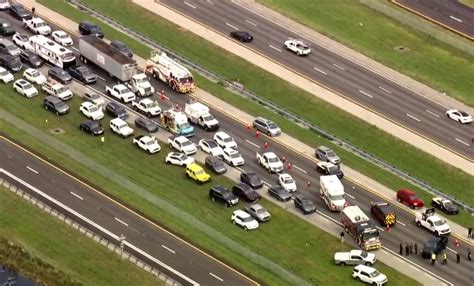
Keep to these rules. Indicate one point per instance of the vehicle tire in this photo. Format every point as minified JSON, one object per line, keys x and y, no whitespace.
{"x":437,"y":233}
{"x":171,"y":146}
{"x":375,"y":284}
{"x":398,"y":200}
{"x":412,"y":206}
{"x":154,"y":75}
{"x":245,"y":228}
{"x":227,"y":205}
{"x":85,"y":60}
{"x":206,"y":128}
{"x":418,"y":223}
{"x":357,"y":278}
{"x":213,"y":199}
{"x":233,"y":221}
{"x":342,"y":263}
{"x":368,"y":264}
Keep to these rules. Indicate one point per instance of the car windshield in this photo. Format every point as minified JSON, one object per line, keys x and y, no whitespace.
{"x":3,"y":73}
{"x":332,"y":169}
{"x":40,"y":24}
{"x":85,"y":71}
{"x":186,"y":80}
{"x":11,"y":47}
{"x":62,"y":89}
{"x":186,"y":143}
{"x":208,"y":117}
{"x":140,"y":79}
{"x":306,"y":203}
{"x":59,"y":104}
{"x":63,"y":36}
{"x":247,"y":219}
{"x":200,"y":172}
{"x":449,"y":205}
{"x":287,"y":180}
{"x":95,"y":124}
{"x":235,"y":155}
{"x":27,"y":86}
{"x":94,"y":109}
{"x":364,"y":254}
{"x":34,"y":73}
{"x":23,"y":38}
{"x":273,"y":160}
{"x":412,"y":197}
{"x":302,"y":46}
{"x":272,"y":126}
{"x":370,"y":235}
{"x":94,"y":96}
{"x":337,"y":197}
{"x":227,"y":195}
{"x":149,"y":124}
{"x":122,"y":126}
{"x":184,"y":125}
{"x":331,"y":154}
{"x":182,"y":157}
{"x":227,"y":139}
{"x":438,"y":222}
{"x":67,"y":56}
{"x":62,"y":73}
{"x":260,"y":211}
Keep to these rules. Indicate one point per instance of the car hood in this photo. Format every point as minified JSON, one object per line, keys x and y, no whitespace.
{"x":97,"y":129}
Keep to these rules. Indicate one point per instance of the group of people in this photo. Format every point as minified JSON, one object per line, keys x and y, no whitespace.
{"x":410,"y":248}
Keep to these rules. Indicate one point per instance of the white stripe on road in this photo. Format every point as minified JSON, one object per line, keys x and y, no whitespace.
{"x":386,"y":90}
{"x":190,"y":5}
{"x":365,"y":93}
{"x":379,"y":228}
{"x":350,"y":196}
{"x":323,"y":72}
{"x":210,"y":2}
{"x":169,"y":249}
{"x":120,"y":221}
{"x":77,"y":196}
{"x":300,"y":169}
{"x":339,"y":67}
{"x":266,"y":183}
{"x":217,"y":277}
{"x":275,"y":48}
{"x":232,"y":26}
{"x":413,"y":117}
{"x":456,"y":19}
{"x":32,"y":170}
{"x":251,"y":143}
{"x":418,"y":270}
{"x":452,"y":250}
{"x":251,"y":23}
{"x":76,"y":49}
{"x":401,"y":223}
{"x":101,"y":78}
{"x":462,"y":142}
{"x":432,"y":113}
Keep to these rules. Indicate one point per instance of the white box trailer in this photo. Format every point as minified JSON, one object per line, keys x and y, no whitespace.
{"x":332,"y":192}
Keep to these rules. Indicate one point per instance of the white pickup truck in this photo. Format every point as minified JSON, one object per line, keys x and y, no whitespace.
{"x":56,"y":89}
{"x":120,"y":92}
{"x":429,"y":220}
{"x":121,"y":127}
{"x":297,"y":47}
{"x":182,"y":144}
{"x":147,"y":106}
{"x":270,"y":161}
{"x":37,"y":26}
{"x":354,"y":257}
{"x":147,"y":143}
{"x":198,"y":113}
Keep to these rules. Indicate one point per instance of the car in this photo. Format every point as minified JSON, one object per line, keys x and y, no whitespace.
{"x":429,"y":220}
{"x":279,"y":193}
{"x":245,"y":192}
{"x":94,"y":98}
{"x":122,"y":48}
{"x":233,"y":157}
{"x":146,"y":124}
{"x":5,"y":75}
{"x":21,"y":40}
{"x":6,"y":29}
{"x":55,"y":105}
{"x":93,"y":127}
{"x":37,"y":26}
{"x":287,"y":182}
{"x":18,"y":12}
{"x":354,"y":257}
{"x":326,"y":154}
{"x":114,"y":109}
{"x":4,"y":4}
{"x":369,"y":275}
{"x":25,"y":88}
{"x":222,"y":195}
{"x":447,"y":206}
{"x":304,"y":204}
{"x":31,"y":58}
{"x":90,"y":110}
{"x":258,"y":212}
{"x":242,"y":36}
{"x":410,"y":199}
{"x":197,"y":173}
{"x":434,"y":245}
{"x":179,"y":159}
{"x":60,"y":75}
{"x":147,"y":143}
{"x":83,"y":74}
{"x":459,"y":116}
{"x":298,"y":47}
{"x":121,"y":127}
{"x":11,"y":63}
{"x":244,"y":220}
{"x":266,"y":126}
{"x":8,"y":47}
{"x":34,"y":76}
{"x":224,"y":140}
{"x":88,"y":28}
{"x":215,"y":164}
{"x":251,"y":179}
{"x":62,"y":38}
{"x":384,"y":213}
{"x":327,"y":168}
{"x":211,"y":147}
{"x":182,"y":144}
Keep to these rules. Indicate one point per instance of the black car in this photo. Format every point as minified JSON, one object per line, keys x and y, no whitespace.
{"x":55,"y":105}
{"x":223,"y":195}
{"x":279,"y":193}
{"x":434,"y":245}
{"x":6,"y":29}
{"x":242,"y":36}
{"x":92,"y":127}
{"x":306,"y":205}
{"x":445,"y":205}
{"x":215,"y":164}
{"x":116,"y":110}
{"x":244,"y":191}
{"x":83,"y":74}
{"x":11,"y":63}
{"x":31,"y":58}
{"x":326,"y":168}
{"x":17,"y":11}
{"x":60,"y":75}
{"x":252,"y":179}
{"x":122,"y":48}
{"x":88,"y":28}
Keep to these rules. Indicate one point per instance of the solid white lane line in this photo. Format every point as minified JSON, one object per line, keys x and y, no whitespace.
{"x":350,"y":196}
{"x":401,"y":223}
{"x":266,"y":183}
{"x":232,"y":26}
{"x":251,"y":143}
{"x":379,"y":228}
{"x":455,"y":19}
{"x":450,"y":249}
{"x":32,"y":170}
{"x":77,"y":196}
{"x":300,"y":169}
{"x":251,"y":23}
{"x":76,"y":49}
{"x":240,"y":169}
{"x":432,"y":113}
{"x":365,"y":93}
{"x":210,"y":2}
{"x":323,"y":72}
{"x":416,"y":269}
{"x":462,"y":142}
{"x":120,"y":221}
{"x":275,"y":48}
{"x":217,"y":277}
{"x":190,"y":5}
{"x":413,"y":117}
{"x":386,"y":90}
{"x":169,"y":249}
{"x":339,"y":67}
{"x":99,"y":77}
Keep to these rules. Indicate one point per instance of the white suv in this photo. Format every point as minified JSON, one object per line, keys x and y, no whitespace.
{"x":121,"y":127}
{"x":244,"y":220}
{"x":90,"y":110}
{"x":25,"y":88}
{"x":369,"y":275}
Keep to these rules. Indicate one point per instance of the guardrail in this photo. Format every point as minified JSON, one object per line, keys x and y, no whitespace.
{"x":237,"y":88}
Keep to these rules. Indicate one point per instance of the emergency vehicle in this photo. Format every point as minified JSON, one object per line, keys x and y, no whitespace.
{"x":170,"y":72}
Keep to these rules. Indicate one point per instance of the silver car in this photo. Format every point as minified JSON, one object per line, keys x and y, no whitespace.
{"x":326,"y":154}
{"x":9,"y":47}
{"x":266,"y":126}
{"x":258,"y":212}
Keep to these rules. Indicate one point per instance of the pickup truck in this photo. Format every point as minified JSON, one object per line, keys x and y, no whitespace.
{"x":37,"y":26}
{"x":182,"y":144}
{"x":270,"y":161}
{"x":354,"y":257}
{"x":147,"y":106}
{"x":121,"y":127}
{"x":147,"y":143}
{"x":56,"y":89}
{"x":120,"y":92}
{"x":432,"y":222}
{"x":297,"y":47}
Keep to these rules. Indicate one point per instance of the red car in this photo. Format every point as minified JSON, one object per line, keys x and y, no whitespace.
{"x":409,"y":198}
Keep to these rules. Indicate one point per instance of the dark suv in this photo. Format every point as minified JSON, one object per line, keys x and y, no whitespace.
{"x":11,"y":63}
{"x":223,"y":195}
{"x":6,"y":29}
{"x":88,"y":28}
{"x":31,"y":58}
{"x":55,"y":105}
{"x":434,"y":245}
{"x":244,"y":191}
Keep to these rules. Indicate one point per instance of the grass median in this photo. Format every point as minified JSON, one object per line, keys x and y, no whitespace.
{"x":48,"y":251}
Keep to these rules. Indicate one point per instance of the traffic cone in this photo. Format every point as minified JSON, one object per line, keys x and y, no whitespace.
{"x":283,"y":159}
{"x":308,"y":184}
{"x":289,"y":166}
{"x":257,"y":133}
{"x":456,"y":243}
{"x":387,"y":228}
{"x":265,"y":145}
{"x":249,"y":127}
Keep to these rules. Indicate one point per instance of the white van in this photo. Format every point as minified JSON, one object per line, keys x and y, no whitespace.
{"x":332,"y":192}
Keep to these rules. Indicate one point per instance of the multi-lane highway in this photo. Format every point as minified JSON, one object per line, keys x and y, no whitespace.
{"x":372,"y":90}
{"x":304,"y":170}
{"x":450,"y":14}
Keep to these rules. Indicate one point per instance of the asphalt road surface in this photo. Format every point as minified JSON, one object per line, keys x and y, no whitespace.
{"x":303,"y":170}
{"x":450,"y":14}
{"x":361,"y":85}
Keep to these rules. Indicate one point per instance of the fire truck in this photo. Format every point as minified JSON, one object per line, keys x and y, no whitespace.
{"x":170,"y":72}
{"x":176,"y":121}
{"x":359,"y":226}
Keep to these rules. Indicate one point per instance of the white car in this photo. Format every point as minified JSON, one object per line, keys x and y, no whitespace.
{"x":244,"y":220}
{"x":25,"y":88}
{"x":37,"y":25}
{"x":4,"y":4}
{"x":62,"y":38}
{"x":182,"y":144}
{"x":179,"y":159}
{"x":224,"y":140}
{"x":91,"y":110}
{"x":22,"y":41}
{"x":233,"y":157}
{"x":354,"y":257}
{"x":211,"y":147}
{"x":369,"y":275}
{"x":34,"y":76}
{"x":94,"y":98}
{"x":147,"y":143}
{"x":121,"y":127}
{"x":5,"y":75}
{"x":459,"y":116}
{"x":287,"y":182}
{"x":297,"y":47}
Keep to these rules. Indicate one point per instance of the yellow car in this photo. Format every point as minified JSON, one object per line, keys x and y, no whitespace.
{"x":197,"y":173}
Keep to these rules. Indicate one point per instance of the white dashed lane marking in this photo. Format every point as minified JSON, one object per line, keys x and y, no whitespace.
{"x":432,"y":113}
{"x":32,"y":170}
{"x":462,"y":142}
{"x":321,"y":71}
{"x":190,"y":5}
{"x":365,"y":93}
{"x":339,"y":67}
{"x":413,"y":117}
{"x":120,"y":221}
{"x":275,"y":48}
{"x":232,"y":26}
{"x":251,"y":23}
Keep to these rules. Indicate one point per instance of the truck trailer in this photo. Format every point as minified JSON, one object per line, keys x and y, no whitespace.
{"x":361,"y":228}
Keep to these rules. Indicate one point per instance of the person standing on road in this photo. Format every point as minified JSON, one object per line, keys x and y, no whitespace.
{"x":401,"y":248}
{"x":407,"y":249}
{"x":445,"y":259}
{"x":416,"y":248}
{"x":458,"y":257}
{"x":468,"y":254}
{"x":33,"y":10}
{"x":411,"y":247}
{"x":342,"y":236}
{"x":433,"y":258}
{"x":469,"y":232}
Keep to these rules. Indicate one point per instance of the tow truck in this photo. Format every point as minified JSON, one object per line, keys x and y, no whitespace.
{"x":429,"y":220}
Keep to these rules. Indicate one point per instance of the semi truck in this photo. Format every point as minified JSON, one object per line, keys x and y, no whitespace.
{"x":175,"y":121}
{"x":361,"y":228}
{"x":198,"y":114}
{"x":332,"y":192}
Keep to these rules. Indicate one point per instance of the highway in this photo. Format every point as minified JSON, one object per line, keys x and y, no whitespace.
{"x":365,"y":87}
{"x":303,"y":170}
{"x":450,"y":14}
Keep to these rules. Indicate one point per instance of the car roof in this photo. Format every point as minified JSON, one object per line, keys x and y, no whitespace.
{"x":241,"y":213}
{"x":243,"y":186}
{"x":365,"y":268}
{"x":222,"y":134}
{"x":22,"y":81}
{"x":118,"y":120}
{"x":220,"y":188}
{"x":53,"y":99}
{"x":406,"y":191}
{"x":87,"y":103}
{"x":324,"y":148}
{"x":194,"y":167}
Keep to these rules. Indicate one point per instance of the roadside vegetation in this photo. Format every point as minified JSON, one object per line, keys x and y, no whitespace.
{"x":469,"y":3}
